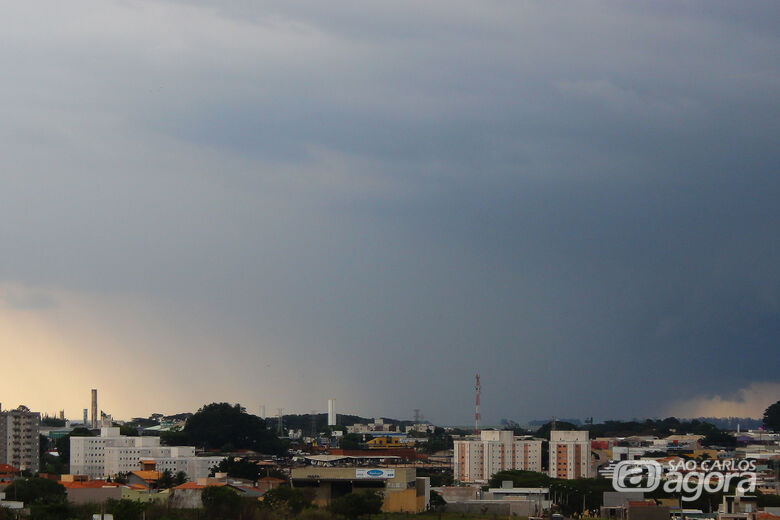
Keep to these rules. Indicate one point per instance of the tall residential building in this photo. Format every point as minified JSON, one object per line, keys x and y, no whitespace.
{"x":478,"y":459}
{"x":569,"y":454}
{"x":19,"y":438}
{"x":112,"y":453}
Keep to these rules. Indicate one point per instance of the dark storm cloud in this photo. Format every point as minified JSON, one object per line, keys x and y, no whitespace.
{"x":571,"y":201}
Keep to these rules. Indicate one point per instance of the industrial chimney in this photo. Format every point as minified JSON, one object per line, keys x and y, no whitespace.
{"x":331,"y":412}
{"x":94,"y":408}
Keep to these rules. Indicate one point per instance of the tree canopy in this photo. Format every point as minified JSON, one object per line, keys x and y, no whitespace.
{"x":772,"y":417}
{"x":351,"y":441}
{"x":357,"y":504}
{"x":287,"y":499}
{"x":221,"y":502}
{"x":36,"y":491}
{"x":239,"y":468}
{"x":228,"y":427}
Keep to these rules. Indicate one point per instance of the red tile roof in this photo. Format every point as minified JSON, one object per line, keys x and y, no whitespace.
{"x":195,"y":485}
{"x":88,"y":484}
{"x":148,"y":476}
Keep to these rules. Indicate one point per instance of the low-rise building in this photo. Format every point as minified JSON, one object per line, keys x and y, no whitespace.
{"x":378,"y":425}
{"x":112,"y":453}
{"x":402,"y":490}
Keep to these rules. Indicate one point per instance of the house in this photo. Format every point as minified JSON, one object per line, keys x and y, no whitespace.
{"x":268,"y":483}
{"x":8,"y":473}
{"x":145,"y":478}
{"x":188,"y":495}
{"x":84,"y":491}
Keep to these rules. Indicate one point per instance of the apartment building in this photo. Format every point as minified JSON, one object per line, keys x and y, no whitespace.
{"x":477,"y":459}
{"x":569,"y":454}
{"x":112,"y":453}
{"x":19,"y":439}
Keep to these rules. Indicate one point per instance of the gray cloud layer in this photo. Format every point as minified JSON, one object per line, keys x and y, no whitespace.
{"x":579,"y":202}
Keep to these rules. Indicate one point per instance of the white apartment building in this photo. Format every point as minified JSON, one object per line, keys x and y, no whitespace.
{"x":421,"y":428}
{"x":112,"y":453}
{"x":569,"y":454}
{"x":19,"y":439}
{"x":377,"y":426}
{"x":477,"y":459}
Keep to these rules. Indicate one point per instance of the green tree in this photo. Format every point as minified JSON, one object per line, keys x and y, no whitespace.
{"x":56,"y":511}
{"x":520,"y":479}
{"x":221,"y":502}
{"x":166,"y":480}
{"x":240,"y":468}
{"x":357,"y":504}
{"x":719,"y":438}
{"x":439,"y":440}
{"x":544,"y":431}
{"x":351,"y":441}
{"x":125,"y":509}
{"x":50,"y":463}
{"x":180,"y":478}
{"x":437,"y":501}
{"x":52,"y":422}
{"x":128,"y":430}
{"x":36,"y":491}
{"x":286,"y":499}
{"x":772,"y":417}
{"x":221,"y":424}
{"x":172,"y":438}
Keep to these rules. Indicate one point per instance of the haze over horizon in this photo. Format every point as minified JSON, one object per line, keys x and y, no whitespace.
{"x":280,"y":203}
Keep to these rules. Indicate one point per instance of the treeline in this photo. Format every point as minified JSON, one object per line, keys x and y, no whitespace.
{"x":47,"y":500}
{"x":713,"y":436}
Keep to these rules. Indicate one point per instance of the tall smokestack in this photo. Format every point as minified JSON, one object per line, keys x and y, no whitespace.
{"x":94,"y":408}
{"x":86,"y":417}
{"x":331,"y":412}
{"x":262,"y":411}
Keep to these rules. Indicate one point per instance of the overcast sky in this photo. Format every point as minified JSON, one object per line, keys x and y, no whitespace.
{"x":280,"y":202}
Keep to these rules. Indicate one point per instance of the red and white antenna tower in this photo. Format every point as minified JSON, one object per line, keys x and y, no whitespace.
{"x":476,"y":412}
